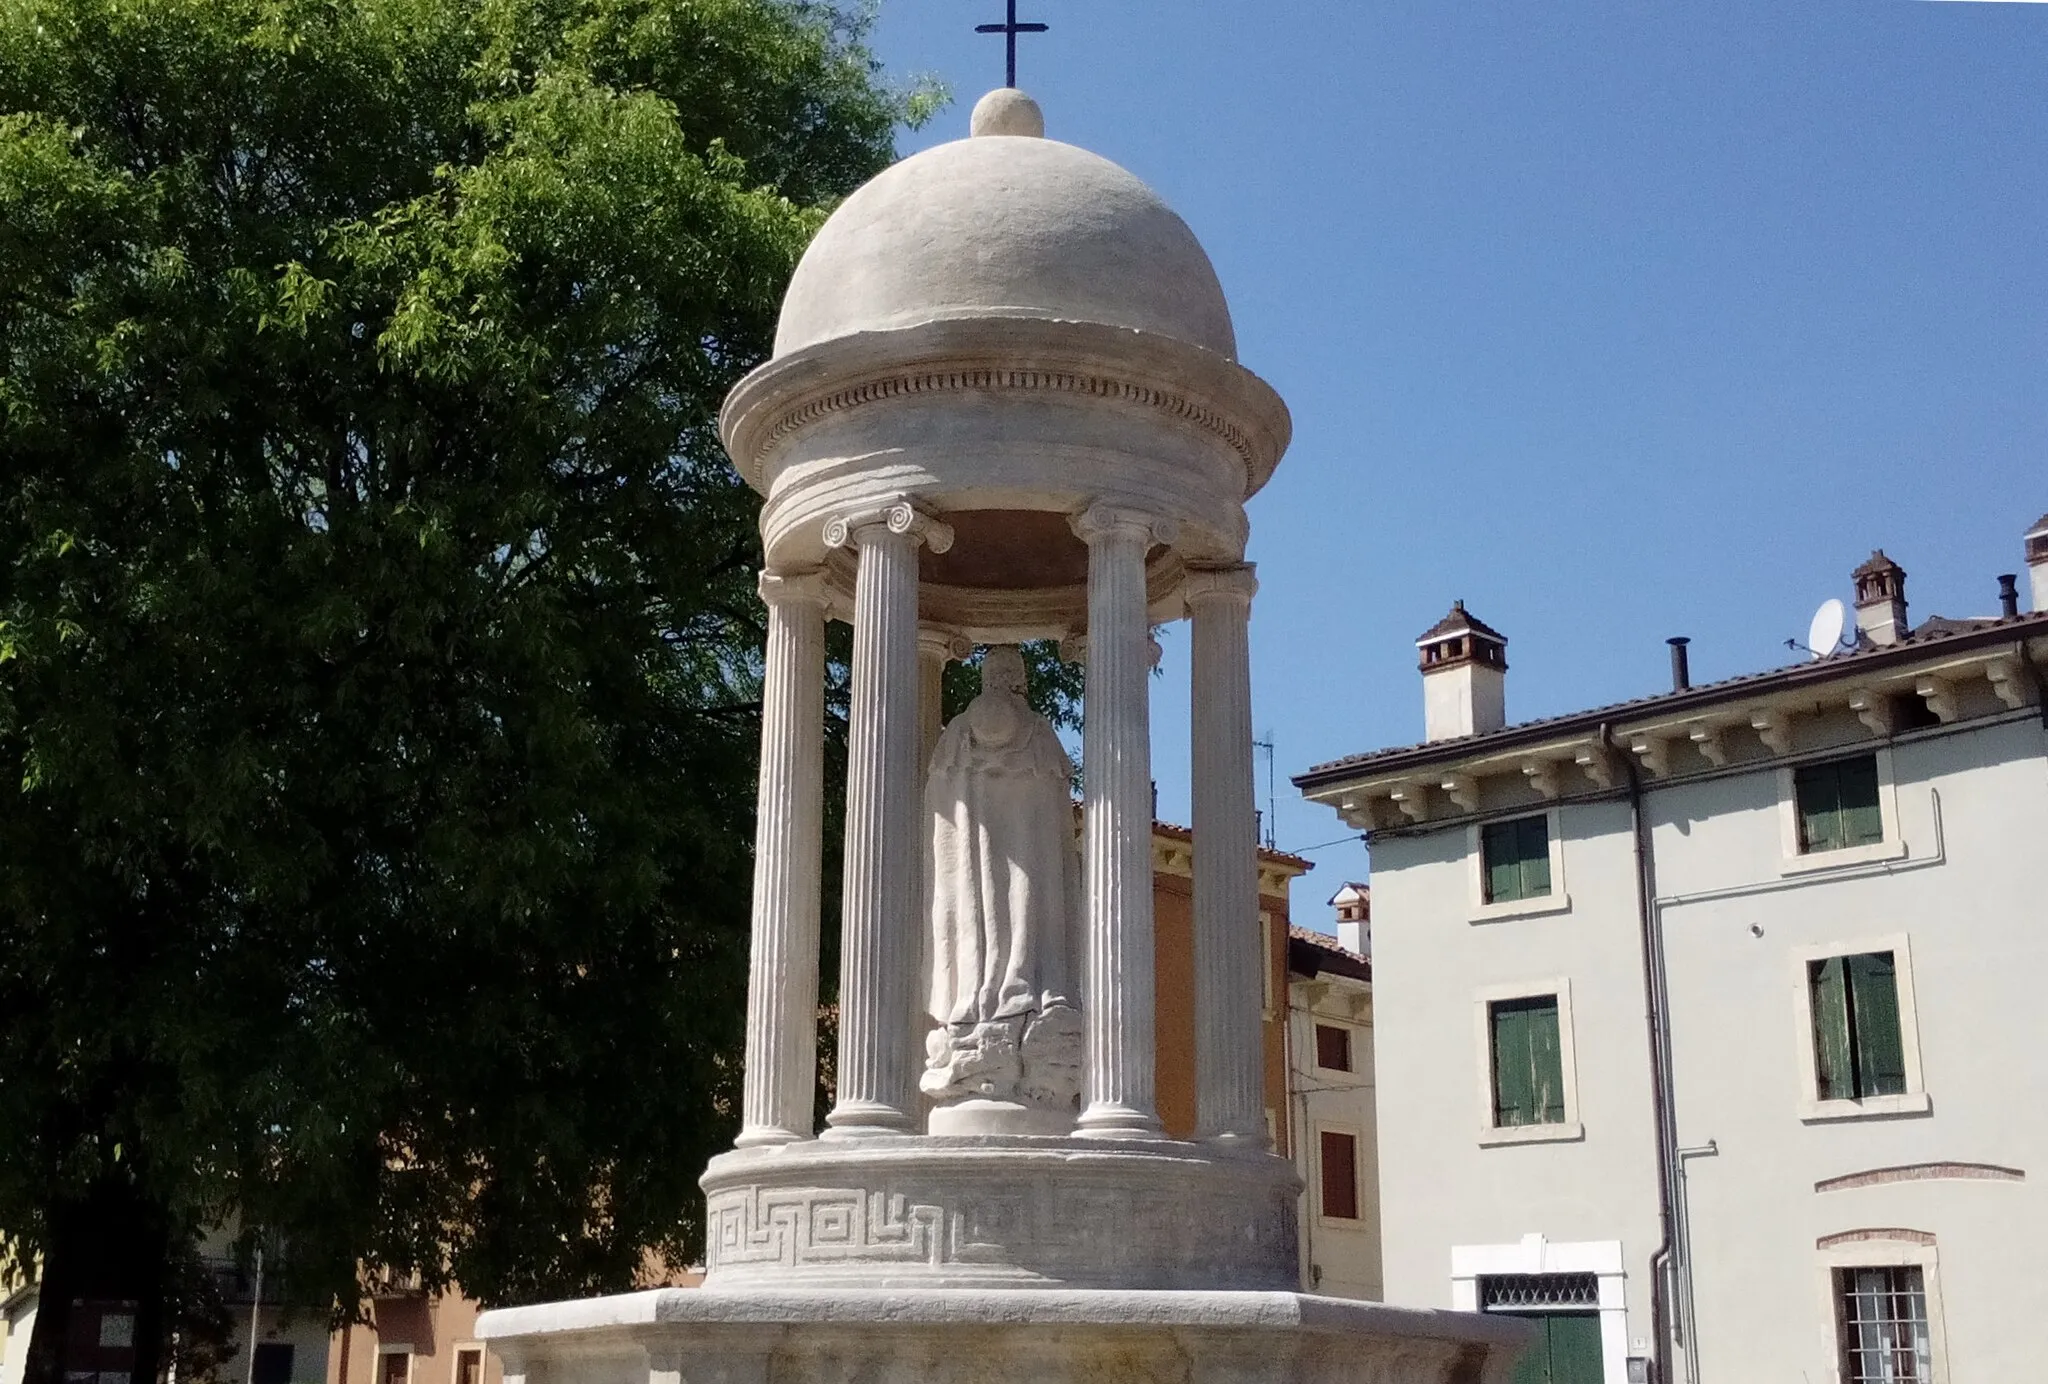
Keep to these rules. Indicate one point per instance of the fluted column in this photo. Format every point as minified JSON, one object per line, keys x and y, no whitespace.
{"x":879,"y":928}
{"x":1117,"y":974}
{"x":782,"y":974}
{"x":1230,"y":1096}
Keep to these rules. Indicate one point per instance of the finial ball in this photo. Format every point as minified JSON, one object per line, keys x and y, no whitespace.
{"x":1007,"y":111}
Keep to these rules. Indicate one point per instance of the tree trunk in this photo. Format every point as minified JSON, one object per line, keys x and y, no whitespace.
{"x":100,"y":1308}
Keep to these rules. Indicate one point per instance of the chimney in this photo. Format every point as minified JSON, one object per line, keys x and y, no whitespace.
{"x":1880,"y":600}
{"x":1681,"y":666}
{"x":2037,"y":562}
{"x":1354,"y":918}
{"x":1464,"y":677}
{"x":2008,"y":595}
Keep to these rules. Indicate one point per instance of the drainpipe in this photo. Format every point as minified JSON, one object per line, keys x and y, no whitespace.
{"x":1666,"y":1266}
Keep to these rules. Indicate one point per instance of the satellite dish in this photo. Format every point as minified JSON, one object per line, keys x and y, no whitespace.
{"x":1824,"y":635}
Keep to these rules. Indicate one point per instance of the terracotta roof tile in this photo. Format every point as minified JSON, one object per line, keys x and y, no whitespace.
{"x":1460,"y":621}
{"x":1917,"y":643}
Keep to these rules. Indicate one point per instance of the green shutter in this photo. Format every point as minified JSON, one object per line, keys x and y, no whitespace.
{"x":1820,"y":807}
{"x":1513,"y":1100}
{"x":1834,"y":1074}
{"x":1516,"y":859}
{"x":1873,"y":986}
{"x":1503,"y":869}
{"x":1528,"y":1068}
{"x":1838,"y":804}
{"x":1862,"y":822}
{"x":1532,"y":842}
{"x":1546,"y":1065}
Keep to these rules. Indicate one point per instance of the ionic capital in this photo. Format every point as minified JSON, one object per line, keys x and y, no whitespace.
{"x":1207,"y":584}
{"x":803,"y":588}
{"x":897,"y":516}
{"x":944,"y":643}
{"x":1103,"y":521}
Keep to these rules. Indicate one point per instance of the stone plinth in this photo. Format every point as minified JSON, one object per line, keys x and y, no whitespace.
{"x":994,"y":1211}
{"x":952,"y":1336}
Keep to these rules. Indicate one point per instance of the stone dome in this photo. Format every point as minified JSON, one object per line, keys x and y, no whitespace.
{"x":1005,"y":225}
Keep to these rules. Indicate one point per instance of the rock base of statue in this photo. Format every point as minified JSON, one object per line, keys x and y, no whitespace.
{"x":718,"y":1336}
{"x":996,"y":1211}
{"x":1015,"y":1075}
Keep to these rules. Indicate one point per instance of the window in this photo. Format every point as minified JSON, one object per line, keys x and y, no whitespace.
{"x":1333,"y":1048}
{"x":1528,"y":1067}
{"x":1857,"y":1047}
{"x":1515,"y":859}
{"x":1838,"y":804}
{"x":469,"y":1365}
{"x":272,"y":1363}
{"x":1881,"y":1314}
{"x":394,"y":1367}
{"x":1340,"y":1175}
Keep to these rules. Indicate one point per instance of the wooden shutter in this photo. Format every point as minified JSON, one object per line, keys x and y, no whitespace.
{"x":1873,"y":985}
{"x":1817,"y":790}
{"x":1528,"y":1066}
{"x":1340,"y":1175}
{"x":1546,"y":1066}
{"x":1502,"y":866}
{"x":1513,"y":1100}
{"x":1333,"y":1048}
{"x":1856,"y":787}
{"x":1532,"y":843}
{"x":1834,"y":1070}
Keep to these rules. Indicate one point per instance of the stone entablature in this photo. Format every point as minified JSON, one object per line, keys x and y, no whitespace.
{"x":1830,"y":704}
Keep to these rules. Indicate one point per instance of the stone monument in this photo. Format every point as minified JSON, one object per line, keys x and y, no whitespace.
{"x":1004,"y":405}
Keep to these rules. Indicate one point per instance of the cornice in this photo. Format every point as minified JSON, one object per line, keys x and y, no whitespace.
{"x":1006,"y":355}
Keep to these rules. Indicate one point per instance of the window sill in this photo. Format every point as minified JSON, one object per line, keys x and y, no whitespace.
{"x":1568,"y":1133}
{"x":1877,"y":1107}
{"x":1842,"y":858}
{"x":1520,"y":908}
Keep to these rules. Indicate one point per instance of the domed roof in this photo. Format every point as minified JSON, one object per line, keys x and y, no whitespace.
{"x":1005,"y":225}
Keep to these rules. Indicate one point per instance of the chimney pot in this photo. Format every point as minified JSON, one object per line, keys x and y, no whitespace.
{"x":1881,"y":600}
{"x":2037,"y":564}
{"x":1681,"y":667}
{"x":1464,"y":676}
{"x":2008,"y":594}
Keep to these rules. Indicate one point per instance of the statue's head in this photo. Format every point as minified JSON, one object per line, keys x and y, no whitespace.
{"x":1003,"y":667}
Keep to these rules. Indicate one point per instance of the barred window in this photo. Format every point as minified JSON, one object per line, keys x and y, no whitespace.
{"x":1538,"y":1292}
{"x":1882,"y":1316}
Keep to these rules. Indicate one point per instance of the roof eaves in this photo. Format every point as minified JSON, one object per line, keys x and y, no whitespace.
{"x":1821,"y":670}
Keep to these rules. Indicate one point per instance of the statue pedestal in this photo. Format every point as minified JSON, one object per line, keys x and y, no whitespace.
{"x":1059,"y":1336}
{"x":999,"y":1211}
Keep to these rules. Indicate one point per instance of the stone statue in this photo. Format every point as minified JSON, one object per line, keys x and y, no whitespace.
{"x":1004,"y":898}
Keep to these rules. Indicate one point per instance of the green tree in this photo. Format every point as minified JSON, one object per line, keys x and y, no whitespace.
{"x":378,"y":650}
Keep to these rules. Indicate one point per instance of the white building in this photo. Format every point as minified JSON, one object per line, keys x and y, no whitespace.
{"x":1712,"y":1029}
{"x":1333,"y":1125}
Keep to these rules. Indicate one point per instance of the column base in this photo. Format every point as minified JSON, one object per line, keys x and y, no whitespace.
{"x":1112,"y":1120}
{"x":765,"y":1135}
{"x":866,"y":1119}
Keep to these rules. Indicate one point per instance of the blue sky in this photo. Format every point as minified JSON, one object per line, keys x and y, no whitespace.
{"x":1616,"y":320}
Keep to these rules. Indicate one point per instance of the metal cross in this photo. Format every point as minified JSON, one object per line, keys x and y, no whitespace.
{"x":1009,"y":29}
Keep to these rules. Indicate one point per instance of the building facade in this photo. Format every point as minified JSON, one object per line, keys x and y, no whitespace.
{"x":1713,"y":1023}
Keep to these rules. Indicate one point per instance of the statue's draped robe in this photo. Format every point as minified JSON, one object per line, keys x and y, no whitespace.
{"x":1004,"y":870}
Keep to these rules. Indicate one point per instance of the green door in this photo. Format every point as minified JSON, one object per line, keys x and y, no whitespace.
{"x":1566,"y":1349}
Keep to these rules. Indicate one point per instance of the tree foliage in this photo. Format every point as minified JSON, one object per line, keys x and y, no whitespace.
{"x":378,"y":649}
